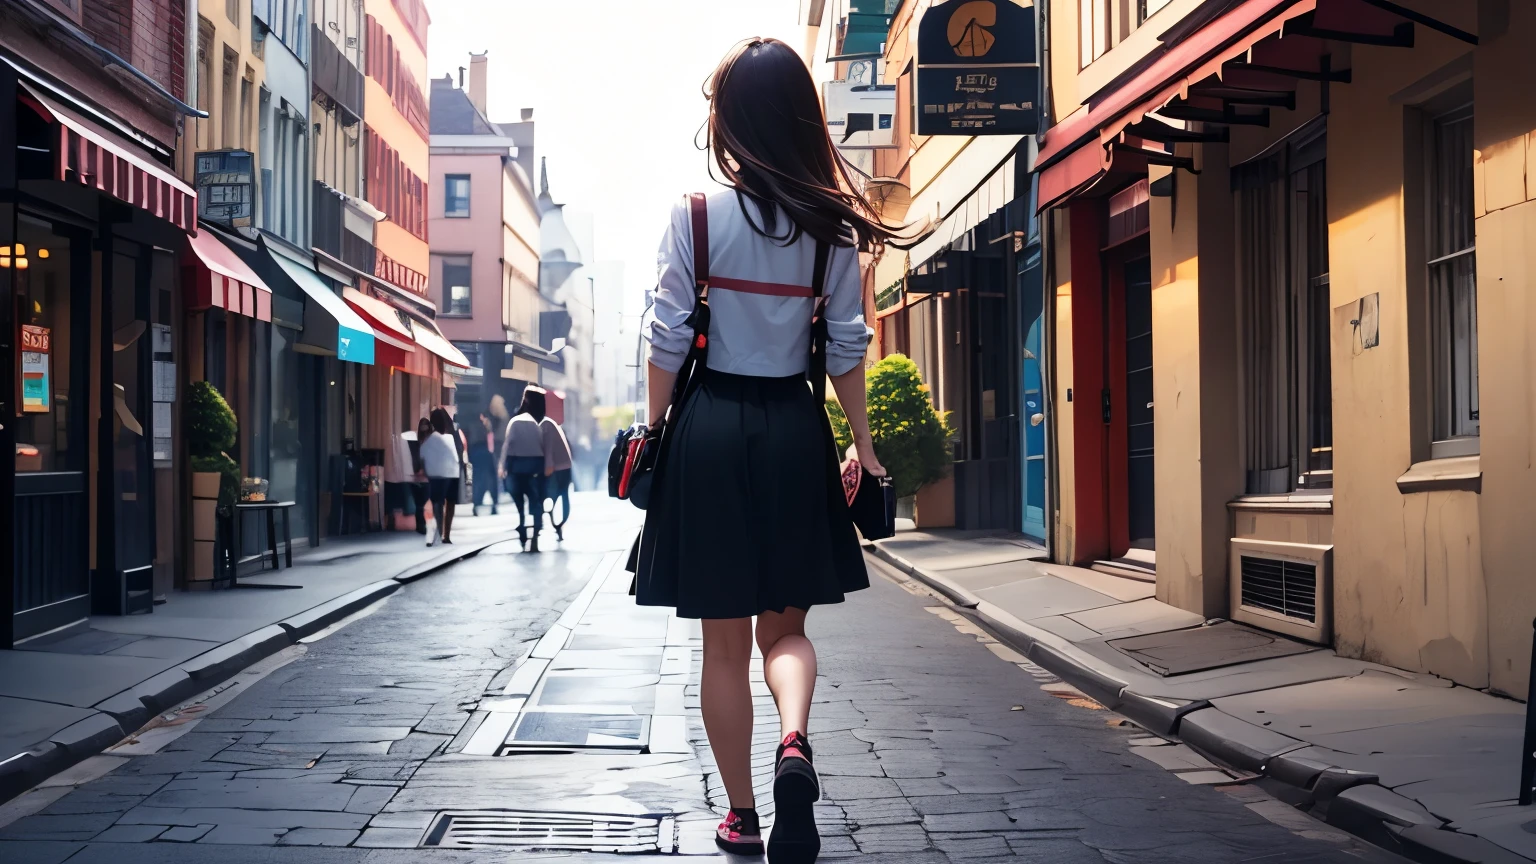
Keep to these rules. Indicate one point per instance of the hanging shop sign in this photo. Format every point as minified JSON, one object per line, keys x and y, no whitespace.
{"x":36,"y":347}
{"x":977,"y":72}
{"x":861,"y":112}
{"x":224,"y":181}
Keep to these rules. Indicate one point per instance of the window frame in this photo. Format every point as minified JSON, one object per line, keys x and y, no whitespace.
{"x":1452,"y":357}
{"x":448,"y":183}
{"x":467,"y":262}
{"x":1298,"y":352}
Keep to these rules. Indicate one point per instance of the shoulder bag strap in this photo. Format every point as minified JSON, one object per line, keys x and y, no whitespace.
{"x":817,"y":371}
{"x":698,"y":320}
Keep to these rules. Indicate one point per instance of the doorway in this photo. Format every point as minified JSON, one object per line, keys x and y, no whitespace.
{"x":1141,"y":514}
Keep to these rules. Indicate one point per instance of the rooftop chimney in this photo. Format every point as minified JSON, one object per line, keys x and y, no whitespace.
{"x":477,"y":80}
{"x":527,"y":114}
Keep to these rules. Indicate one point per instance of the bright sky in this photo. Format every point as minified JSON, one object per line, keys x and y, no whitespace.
{"x":615,"y":88}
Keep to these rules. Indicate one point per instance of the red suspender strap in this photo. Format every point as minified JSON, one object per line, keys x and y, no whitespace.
{"x":699,"y":211}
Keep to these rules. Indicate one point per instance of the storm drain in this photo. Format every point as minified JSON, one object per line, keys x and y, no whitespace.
{"x":542,"y":830}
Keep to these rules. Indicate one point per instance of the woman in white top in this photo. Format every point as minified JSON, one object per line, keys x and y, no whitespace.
{"x":747,"y":516}
{"x":440,"y":458}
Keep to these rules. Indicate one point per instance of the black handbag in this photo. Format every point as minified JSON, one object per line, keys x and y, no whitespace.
{"x":871,"y":501}
{"x":633,"y":462}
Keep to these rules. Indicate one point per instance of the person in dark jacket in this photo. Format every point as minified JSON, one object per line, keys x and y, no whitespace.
{"x":418,"y":481}
{"x":482,"y":461}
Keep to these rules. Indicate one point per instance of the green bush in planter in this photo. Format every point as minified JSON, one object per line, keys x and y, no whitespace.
{"x":911,"y":439}
{"x":211,"y":427}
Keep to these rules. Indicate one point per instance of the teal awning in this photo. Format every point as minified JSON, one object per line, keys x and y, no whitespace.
{"x":329,"y":323}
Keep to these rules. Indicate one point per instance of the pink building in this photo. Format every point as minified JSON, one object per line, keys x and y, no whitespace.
{"x":485,"y":240}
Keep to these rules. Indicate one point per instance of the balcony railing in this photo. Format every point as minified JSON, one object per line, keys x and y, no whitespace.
{"x":331,"y":234}
{"x":335,"y":76}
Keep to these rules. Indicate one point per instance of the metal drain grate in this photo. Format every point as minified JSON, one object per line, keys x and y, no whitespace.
{"x":537,"y":829}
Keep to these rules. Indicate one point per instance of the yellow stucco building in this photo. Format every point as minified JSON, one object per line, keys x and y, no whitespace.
{"x":1317,"y":213}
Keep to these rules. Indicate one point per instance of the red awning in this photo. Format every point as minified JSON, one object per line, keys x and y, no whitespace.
{"x":432,"y":339}
{"x":1250,"y":53}
{"x":223,"y":280}
{"x":94,"y":156}
{"x":395,"y":340}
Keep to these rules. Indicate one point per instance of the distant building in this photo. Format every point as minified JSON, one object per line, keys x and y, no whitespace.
{"x":485,"y":242}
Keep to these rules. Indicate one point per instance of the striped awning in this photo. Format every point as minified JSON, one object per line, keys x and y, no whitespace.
{"x":91,"y":155}
{"x":225,"y":281}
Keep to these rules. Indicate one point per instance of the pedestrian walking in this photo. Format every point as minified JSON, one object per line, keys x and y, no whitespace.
{"x":499,"y":420}
{"x":440,"y":459}
{"x":528,"y":461}
{"x":559,"y":486}
{"x":418,"y":481}
{"x":747,"y":516}
{"x":485,"y":479}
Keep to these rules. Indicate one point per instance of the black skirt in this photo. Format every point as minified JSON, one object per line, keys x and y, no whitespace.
{"x":748,"y":513}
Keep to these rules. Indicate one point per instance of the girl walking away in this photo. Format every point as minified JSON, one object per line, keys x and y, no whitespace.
{"x":528,"y":460}
{"x":441,"y":459}
{"x":558,"y":487}
{"x":482,"y":461}
{"x":747,"y":515}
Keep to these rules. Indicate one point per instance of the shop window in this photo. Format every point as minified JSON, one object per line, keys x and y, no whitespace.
{"x":456,"y":284}
{"x":1283,"y":303}
{"x":40,"y":262}
{"x":1452,"y":283}
{"x":456,"y":196}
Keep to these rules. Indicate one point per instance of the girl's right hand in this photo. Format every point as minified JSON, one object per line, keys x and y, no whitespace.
{"x":867,"y":458}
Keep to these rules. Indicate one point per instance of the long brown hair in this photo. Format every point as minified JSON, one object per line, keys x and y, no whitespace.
{"x":769,"y":140}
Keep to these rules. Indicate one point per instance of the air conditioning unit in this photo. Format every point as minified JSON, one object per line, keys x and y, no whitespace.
{"x":1285,"y":588}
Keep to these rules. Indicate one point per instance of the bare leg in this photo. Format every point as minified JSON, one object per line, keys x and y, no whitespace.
{"x":789,"y":664}
{"x":727,"y":697}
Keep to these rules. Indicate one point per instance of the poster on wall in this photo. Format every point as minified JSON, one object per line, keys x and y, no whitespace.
{"x":861,"y":112}
{"x":36,"y":345}
{"x":977,"y":73}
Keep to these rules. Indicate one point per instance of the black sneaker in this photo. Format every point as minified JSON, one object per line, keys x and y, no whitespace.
{"x":795,"y":789}
{"x":739,"y":834}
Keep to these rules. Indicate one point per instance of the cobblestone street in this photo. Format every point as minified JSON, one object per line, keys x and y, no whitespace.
{"x":935,"y":742}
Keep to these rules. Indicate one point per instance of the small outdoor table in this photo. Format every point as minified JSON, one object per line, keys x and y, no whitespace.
{"x":271,"y":509}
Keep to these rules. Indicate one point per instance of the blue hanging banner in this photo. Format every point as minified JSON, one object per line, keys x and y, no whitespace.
{"x":977,"y":70}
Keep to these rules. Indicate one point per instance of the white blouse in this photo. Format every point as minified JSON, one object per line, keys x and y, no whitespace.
{"x":759,"y":296}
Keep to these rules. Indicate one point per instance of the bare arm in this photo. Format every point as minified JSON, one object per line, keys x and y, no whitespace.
{"x":659,"y":392}
{"x":850,"y":389}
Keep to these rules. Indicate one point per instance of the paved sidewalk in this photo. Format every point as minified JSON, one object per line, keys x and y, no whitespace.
{"x":66,"y":697}
{"x":1409,"y":761}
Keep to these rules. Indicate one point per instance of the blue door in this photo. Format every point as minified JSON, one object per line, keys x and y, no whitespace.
{"x":1034,"y":422}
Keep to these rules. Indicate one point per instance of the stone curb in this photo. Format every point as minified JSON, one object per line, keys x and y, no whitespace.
{"x":1351,"y":800}
{"x":957,"y":595}
{"x":118,"y":716}
{"x":312,"y":621}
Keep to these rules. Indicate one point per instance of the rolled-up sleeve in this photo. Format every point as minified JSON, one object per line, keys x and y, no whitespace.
{"x":669,"y":333}
{"x":847,"y":334}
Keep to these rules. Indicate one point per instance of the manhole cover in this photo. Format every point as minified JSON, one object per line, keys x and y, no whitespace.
{"x":536,"y":829}
{"x":563,"y":730}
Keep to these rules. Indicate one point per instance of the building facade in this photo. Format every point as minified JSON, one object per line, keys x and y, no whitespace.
{"x":92,"y":221}
{"x":964,"y":303}
{"x":1295,"y":233}
{"x":485,"y":249}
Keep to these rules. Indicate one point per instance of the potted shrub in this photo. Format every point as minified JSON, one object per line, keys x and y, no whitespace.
{"x":210,"y":429}
{"x":911,"y":439}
